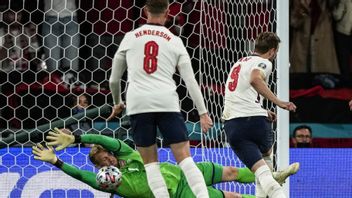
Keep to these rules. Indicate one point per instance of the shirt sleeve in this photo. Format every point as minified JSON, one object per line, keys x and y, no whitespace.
{"x":119,"y":65}
{"x":265,"y":68}
{"x":116,"y":146}
{"x":82,"y":175}
{"x":187,"y":74}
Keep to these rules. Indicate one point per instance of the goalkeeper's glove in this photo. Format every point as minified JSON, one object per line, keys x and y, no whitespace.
{"x":59,"y":139}
{"x":44,"y":154}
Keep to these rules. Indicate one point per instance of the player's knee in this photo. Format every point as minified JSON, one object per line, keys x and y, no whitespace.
{"x":180,"y":156}
{"x":180,"y":151}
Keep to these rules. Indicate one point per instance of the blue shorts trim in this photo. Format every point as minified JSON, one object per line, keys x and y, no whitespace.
{"x":170,"y":124}
{"x":249,"y":137}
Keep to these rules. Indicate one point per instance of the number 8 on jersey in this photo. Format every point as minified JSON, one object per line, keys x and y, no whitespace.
{"x":151,"y":50}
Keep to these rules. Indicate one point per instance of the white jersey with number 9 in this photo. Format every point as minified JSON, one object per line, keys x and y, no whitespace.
{"x":241,"y":99}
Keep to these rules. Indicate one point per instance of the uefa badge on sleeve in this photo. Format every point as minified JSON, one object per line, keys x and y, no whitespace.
{"x":262,"y":65}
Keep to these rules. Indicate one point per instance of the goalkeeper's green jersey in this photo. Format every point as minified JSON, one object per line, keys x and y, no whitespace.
{"x":134,"y":179}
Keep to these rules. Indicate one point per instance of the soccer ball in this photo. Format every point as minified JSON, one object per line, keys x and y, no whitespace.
{"x":109,"y":177}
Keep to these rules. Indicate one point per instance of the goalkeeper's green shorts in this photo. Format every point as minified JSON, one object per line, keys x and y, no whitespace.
{"x":212,"y":175}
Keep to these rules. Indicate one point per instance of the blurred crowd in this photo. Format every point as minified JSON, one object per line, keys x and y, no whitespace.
{"x":321,"y":37}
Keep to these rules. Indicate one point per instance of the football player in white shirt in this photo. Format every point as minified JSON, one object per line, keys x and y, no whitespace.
{"x":151,"y":54}
{"x":247,"y":124}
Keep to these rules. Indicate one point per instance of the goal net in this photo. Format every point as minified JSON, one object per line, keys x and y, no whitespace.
{"x":55,"y":60}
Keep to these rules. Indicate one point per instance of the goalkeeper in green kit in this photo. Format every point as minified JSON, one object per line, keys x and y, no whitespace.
{"x":109,"y":151}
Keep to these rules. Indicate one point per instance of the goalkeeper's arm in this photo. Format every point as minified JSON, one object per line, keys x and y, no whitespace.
{"x":62,"y":140}
{"x":48,"y":155}
{"x":116,"y":146}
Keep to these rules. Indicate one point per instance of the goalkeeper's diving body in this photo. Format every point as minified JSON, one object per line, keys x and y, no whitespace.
{"x":109,"y":151}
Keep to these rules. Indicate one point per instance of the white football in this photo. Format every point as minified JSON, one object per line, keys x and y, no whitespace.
{"x":109,"y":177}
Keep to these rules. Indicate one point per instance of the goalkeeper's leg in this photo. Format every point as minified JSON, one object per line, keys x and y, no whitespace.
{"x":242,"y":175}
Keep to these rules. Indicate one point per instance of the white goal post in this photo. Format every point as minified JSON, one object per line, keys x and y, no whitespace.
{"x":283,"y":88}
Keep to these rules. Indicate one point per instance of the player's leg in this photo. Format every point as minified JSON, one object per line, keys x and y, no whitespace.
{"x":248,"y":137}
{"x":269,"y":185}
{"x":279,"y":176}
{"x":252,"y":156}
{"x":268,"y":159}
{"x":193,"y":175}
{"x":259,"y":192}
{"x":260,"y":168}
{"x":174,"y":131}
{"x":143,"y":128}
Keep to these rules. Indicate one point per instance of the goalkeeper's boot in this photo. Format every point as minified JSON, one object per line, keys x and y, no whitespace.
{"x":281,"y":176}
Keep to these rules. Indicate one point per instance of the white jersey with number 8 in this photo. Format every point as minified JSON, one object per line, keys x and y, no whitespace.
{"x":152,"y":54}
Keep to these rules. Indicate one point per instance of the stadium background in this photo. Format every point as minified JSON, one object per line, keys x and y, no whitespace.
{"x":34,"y":98}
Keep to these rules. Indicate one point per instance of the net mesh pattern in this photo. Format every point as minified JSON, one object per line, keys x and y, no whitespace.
{"x":56,"y":56}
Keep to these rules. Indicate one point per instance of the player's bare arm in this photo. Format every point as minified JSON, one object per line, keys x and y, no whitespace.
{"x":259,"y":84}
{"x":119,"y":66}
